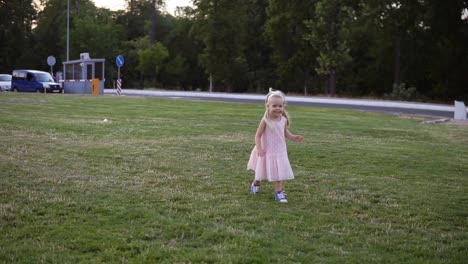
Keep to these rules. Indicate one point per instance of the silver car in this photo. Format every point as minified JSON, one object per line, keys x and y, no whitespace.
{"x":5,"y":82}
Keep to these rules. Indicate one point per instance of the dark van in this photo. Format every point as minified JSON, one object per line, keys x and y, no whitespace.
{"x":34,"y":81}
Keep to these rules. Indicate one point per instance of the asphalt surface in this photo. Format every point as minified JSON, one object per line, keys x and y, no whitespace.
{"x":392,"y":107}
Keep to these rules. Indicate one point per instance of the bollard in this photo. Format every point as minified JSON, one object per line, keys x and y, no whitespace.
{"x":119,"y":87}
{"x":95,"y":86}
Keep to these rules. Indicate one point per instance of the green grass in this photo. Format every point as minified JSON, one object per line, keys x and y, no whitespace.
{"x":165,"y":181}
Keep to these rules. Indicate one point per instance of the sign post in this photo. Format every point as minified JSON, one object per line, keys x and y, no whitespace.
{"x":119,"y":61}
{"x":51,"y":62}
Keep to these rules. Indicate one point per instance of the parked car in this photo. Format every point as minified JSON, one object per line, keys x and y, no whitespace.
{"x":34,"y":81}
{"x":5,"y":82}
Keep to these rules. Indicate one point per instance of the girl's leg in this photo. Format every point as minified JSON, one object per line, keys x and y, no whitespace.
{"x":279,"y":194}
{"x":278,"y":186}
{"x":255,"y":187}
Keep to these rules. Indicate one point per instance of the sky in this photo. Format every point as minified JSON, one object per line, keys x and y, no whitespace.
{"x":120,"y":4}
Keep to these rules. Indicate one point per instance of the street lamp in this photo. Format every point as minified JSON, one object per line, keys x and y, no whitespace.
{"x":68,"y":29}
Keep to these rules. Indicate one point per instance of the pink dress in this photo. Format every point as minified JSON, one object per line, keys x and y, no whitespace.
{"x":274,"y":165}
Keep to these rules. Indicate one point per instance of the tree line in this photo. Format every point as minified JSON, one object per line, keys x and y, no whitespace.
{"x":397,"y":49}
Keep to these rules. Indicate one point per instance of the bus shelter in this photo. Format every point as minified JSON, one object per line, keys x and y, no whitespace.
{"x":79,"y":75}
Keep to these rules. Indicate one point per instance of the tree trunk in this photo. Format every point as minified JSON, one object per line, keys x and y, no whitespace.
{"x":332,"y":82}
{"x":326,"y":86}
{"x":396,"y":69}
{"x":153,"y":22}
{"x":155,"y":78}
{"x":142,"y":81}
{"x":211,"y":83}
{"x":306,"y":81}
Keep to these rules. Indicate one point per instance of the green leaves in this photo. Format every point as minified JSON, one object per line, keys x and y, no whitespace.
{"x":293,"y":55}
{"x":361,"y":46}
{"x":151,"y":59}
{"x":222,"y":25}
{"x":328,"y":34}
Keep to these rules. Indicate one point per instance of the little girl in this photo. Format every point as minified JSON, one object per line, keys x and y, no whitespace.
{"x":269,"y":158}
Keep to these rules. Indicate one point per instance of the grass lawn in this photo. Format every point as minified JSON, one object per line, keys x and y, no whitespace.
{"x":165,"y":181}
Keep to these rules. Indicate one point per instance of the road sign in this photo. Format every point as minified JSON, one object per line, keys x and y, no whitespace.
{"x":51,"y":61}
{"x":119,"y":61}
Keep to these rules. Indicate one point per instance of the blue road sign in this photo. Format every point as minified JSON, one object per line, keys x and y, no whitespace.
{"x":119,"y":60}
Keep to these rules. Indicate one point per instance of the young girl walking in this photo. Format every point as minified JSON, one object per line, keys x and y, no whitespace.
{"x":269,"y":158}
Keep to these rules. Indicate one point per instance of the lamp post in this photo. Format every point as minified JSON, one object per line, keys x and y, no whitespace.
{"x":68,"y":30}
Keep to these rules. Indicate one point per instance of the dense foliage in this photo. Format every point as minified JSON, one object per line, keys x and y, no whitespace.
{"x":349,"y":48}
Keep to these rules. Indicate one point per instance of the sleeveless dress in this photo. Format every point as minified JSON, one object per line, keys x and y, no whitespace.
{"x":274,"y":165}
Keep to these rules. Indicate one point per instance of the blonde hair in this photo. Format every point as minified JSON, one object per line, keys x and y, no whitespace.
{"x":275,"y":93}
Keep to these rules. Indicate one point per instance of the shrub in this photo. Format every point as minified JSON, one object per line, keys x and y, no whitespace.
{"x":400,"y":92}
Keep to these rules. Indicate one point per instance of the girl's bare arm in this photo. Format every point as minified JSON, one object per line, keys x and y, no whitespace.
{"x":292,"y":137}
{"x":258,"y":138}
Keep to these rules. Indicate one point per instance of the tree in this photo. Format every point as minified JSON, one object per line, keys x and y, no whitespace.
{"x":153,"y":9}
{"x":446,"y":27}
{"x":138,"y":12}
{"x":293,"y":56}
{"x":176,"y":69}
{"x":329,"y":32}
{"x":221,"y":26}
{"x":420,"y":43}
{"x":369,"y":45}
{"x":16,"y":22}
{"x":150,"y":60}
{"x":398,"y":18}
{"x":94,"y":31}
{"x":50,"y":31}
{"x":142,"y":18}
{"x":182,"y":69}
{"x":258,"y":51}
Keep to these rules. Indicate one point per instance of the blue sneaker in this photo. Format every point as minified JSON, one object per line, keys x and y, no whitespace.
{"x":254,"y":189}
{"x":280,"y":197}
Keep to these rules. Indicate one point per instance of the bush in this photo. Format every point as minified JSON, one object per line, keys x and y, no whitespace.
{"x":400,"y":92}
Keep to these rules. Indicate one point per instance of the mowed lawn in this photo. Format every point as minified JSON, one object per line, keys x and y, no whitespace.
{"x":165,"y":181}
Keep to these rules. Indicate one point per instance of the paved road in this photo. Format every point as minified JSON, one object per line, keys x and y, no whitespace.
{"x":394,"y":107}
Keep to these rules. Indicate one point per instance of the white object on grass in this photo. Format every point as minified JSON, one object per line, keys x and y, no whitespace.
{"x":460,"y":111}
